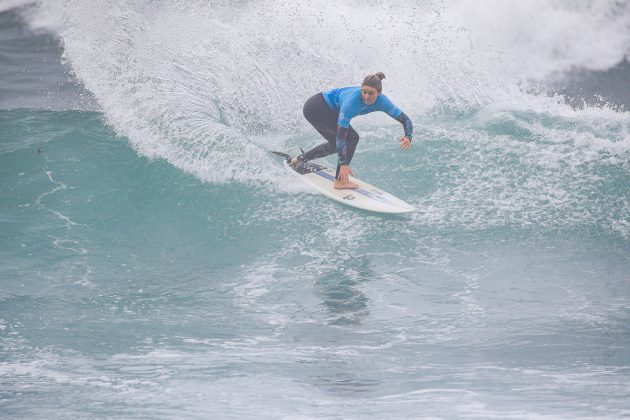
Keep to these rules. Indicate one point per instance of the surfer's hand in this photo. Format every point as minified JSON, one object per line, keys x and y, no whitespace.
{"x":405,"y":143}
{"x":344,"y":173}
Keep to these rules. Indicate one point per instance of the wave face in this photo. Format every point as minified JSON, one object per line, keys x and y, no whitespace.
{"x":195,"y":85}
{"x":156,"y":262}
{"x":123,"y":279}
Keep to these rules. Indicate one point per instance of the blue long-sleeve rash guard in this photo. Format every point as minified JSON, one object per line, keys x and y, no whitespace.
{"x":349,"y":103}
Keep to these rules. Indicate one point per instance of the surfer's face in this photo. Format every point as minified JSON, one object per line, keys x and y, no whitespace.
{"x":369,"y":95}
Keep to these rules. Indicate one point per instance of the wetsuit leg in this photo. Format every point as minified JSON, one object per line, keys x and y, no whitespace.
{"x":324,"y":119}
{"x":323,"y":150}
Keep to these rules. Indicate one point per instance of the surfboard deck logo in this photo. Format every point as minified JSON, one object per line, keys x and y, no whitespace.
{"x":366,"y":197}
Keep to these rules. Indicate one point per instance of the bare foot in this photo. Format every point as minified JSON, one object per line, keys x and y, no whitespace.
{"x":294,"y":161}
{"x":345,"y":185}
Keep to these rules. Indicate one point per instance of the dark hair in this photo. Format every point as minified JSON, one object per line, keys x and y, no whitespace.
{"x":374,"y":80}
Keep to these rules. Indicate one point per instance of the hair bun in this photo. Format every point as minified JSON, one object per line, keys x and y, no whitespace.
{"x":374,"y":81}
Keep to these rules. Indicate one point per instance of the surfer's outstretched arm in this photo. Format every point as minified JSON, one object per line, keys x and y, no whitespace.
{"x":387,"y":106}
{"x":405,"y":142}
{"x":407,"y":124}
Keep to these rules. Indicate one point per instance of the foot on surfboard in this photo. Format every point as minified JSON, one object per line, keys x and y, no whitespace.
{"x":296,"y":161}
{"x":345,"y":185}
{"x":366,"y":197}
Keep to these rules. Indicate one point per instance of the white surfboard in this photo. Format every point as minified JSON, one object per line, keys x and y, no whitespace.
{"x":366,"y":197}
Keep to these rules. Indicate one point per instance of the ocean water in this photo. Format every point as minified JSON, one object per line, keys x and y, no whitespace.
{"x":157,"y":262}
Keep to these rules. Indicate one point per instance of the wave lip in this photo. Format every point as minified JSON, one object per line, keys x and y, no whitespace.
{"x":196,"y":85}
{"x":40,"y":15}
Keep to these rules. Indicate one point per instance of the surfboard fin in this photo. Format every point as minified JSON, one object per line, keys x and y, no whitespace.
{"x":284,"y":155}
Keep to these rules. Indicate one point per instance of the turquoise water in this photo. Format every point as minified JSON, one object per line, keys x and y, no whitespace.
{"x":157,"y":262}
{"x":133,"y":289}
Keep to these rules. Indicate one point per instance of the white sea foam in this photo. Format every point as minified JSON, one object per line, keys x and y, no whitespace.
{"x":540,"y":37}
{"x":192,"y":84}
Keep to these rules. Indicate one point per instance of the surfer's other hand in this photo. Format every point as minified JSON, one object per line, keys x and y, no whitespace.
{"x":405,"y":143}
{"x":344,"y":173}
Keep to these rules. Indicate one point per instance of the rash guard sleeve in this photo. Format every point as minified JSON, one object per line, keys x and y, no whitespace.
{"x":407,"y":124}
{"x":387,"y":106}
{"x":342,"y":133}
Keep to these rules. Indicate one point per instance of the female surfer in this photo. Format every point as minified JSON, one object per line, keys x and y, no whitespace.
{"x":330,"y":113}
